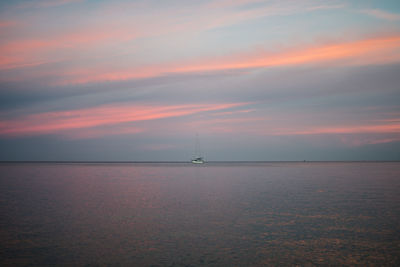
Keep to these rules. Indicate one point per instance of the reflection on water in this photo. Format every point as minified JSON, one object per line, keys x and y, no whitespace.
{"x":211,"y":215}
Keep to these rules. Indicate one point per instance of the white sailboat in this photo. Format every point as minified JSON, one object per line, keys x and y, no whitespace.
{"x":197,"y":159}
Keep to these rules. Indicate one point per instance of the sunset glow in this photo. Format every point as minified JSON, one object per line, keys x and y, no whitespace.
{"x":263,"y":77}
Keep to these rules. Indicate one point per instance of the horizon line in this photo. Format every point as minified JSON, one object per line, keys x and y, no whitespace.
{"x":213,"y":161}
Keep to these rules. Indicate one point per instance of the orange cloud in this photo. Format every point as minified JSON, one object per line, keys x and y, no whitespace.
{"x":369,"y":51}
{"x":62,"y":121}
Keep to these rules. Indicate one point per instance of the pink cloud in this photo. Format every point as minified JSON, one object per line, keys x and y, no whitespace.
{"x":370,"y":132}
{"x":6,"y":24}
{"x":26,"y":52}
{"x":384,"y":140}
{"x":356,"y":140}
{"x":97,"y":132}
{"x":377,"y":50}
{"x":64,"y":121}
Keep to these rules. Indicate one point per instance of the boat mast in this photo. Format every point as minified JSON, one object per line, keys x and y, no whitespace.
{"x":197,"y":147}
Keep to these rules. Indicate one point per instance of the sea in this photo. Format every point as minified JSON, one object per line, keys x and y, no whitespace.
{"x":212,"y":214}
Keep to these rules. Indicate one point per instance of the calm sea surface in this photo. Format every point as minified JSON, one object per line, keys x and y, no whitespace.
{"x":248,"y":214}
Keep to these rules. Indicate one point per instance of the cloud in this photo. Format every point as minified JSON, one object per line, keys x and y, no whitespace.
{"x":381,"y":14}
{"x":6,"y":24}
{"x":65,"y":121}
{"x":101,"y":131}
{"x":218,"y":14}
{"x":32,"y":52}
{"x":356,"y":140}
{"x":349,"y":132}
{"x":352,"y":129}
{"x":67,"y":42}
{"x":378,"y":50}
{"x":47,"y":3}
{"x":231,"y":3}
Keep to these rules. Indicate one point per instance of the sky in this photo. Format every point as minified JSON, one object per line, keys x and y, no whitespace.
{"x":265,"y":80}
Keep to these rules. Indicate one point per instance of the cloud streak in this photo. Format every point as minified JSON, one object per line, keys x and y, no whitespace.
{"x":353,"y":129}
{"x":297,"y":75}
{"x":60,"y":121}
{"x":67,"y":44}
{"x":47,"y":3}
{"x":31,"y":52}
{"x":381,"y":14}
{"x":377,"y":50}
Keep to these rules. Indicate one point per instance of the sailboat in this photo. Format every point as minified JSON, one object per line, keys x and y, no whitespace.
{"x":197,"y":159}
